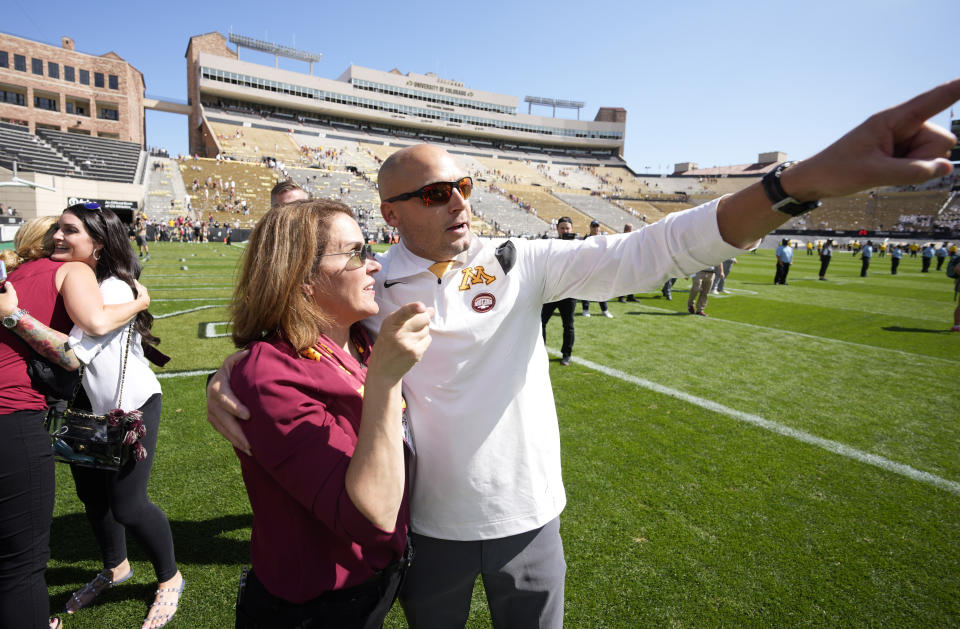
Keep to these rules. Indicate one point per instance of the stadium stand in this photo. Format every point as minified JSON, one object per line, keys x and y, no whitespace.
{"x":165,"y":191}
{"x":601,"y":209}
{"x":104,"y":159}
{"x":31,"y":153}
{"x":211,"y":192}
{"x":503,"y":216}
{"x":511,"y":171}
{"x":252,"y":144}
{"x":548,"y":207}
{"x":644,"y":210}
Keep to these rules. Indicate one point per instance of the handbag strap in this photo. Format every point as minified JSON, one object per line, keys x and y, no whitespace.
{"x":123,"y":367}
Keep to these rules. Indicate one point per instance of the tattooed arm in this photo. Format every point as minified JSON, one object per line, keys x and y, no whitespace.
{"x":44,"y":340}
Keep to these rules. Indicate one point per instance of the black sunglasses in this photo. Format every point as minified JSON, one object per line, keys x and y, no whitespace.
{"x":438,"y":192}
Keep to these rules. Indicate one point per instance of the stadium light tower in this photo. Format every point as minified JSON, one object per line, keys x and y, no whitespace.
{"x":242,"y":41}
{"x":553,"y":102}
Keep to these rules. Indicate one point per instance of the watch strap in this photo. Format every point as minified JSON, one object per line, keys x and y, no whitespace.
{"x":779,"y":199}
{"x":11,"y":320}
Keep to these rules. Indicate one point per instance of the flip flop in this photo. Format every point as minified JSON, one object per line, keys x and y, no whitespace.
{"x":85,"y":595}
{"x":166,"y":618}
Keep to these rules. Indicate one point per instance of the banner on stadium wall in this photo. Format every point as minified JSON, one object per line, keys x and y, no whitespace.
{"x":107,"y":204}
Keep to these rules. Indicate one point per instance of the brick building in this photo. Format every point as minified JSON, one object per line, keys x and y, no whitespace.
{"x":46,"y":87}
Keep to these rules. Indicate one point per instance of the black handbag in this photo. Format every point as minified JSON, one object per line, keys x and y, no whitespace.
{"x":105,"y":442}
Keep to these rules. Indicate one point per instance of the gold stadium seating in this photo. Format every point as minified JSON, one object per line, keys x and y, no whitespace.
{"x":253,"y":183}
{"x":509,"y":171}
{"x":254,"y":144}
{"x":550,"y":208}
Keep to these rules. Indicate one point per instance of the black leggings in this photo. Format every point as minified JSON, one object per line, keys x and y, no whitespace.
{"x":117,"y":501}
{"x":26,"y":512}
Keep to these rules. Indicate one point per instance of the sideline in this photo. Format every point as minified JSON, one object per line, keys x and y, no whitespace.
{"x":827,"y":444}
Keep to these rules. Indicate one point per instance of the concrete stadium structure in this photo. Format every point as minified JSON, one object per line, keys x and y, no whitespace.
{"x":418,"y":106}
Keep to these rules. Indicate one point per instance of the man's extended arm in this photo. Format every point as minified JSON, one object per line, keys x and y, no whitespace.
{"x":895,"y":147}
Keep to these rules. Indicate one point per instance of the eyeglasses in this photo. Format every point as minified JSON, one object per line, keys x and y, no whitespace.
{"x":437,"y":193}
{"x":358,"y":257}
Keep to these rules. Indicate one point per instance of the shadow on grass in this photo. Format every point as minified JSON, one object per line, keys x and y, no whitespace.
{"x":897,"y":328}
{"x":195,"y":542}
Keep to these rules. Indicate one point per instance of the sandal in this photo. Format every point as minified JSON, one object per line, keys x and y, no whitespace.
{"x":55,"y":622}
{"x":85,"y":595}
{"x":165,"y":618}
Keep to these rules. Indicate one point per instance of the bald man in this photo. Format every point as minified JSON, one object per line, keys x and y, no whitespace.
{"x":488,"y":492}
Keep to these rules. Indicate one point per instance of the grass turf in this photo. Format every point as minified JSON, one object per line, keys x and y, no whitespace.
{"x":678,"y":515}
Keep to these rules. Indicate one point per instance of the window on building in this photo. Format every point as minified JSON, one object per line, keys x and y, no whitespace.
{"x":77,"y":107}
{"x":98,"y":79}
{"x":4,"y":59}
{"x":53,"y":70}
{"x":12,"y":98}
{"x":20,"y":63}
{"x":36,"y":65}
{"x":85,"y":77}
{"x":68,"y":74}
{"x":42,"y":102}
{"x":107,"y":112}
{"x":114,"y":82}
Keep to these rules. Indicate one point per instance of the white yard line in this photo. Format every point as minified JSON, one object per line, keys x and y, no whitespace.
{"x":827,"y":444}
{"x":180,"y":312}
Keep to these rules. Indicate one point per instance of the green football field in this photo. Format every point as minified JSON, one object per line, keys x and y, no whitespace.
{"x":790,"y":460}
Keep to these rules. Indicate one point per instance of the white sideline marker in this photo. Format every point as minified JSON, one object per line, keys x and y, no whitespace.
{"x":827,"y":444}
{"x":180,"y":312}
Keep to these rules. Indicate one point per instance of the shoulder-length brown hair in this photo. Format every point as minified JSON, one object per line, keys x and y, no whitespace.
{"x":282,"y":256}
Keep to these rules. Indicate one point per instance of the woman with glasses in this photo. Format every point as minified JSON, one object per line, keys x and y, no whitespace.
{"x":57,"y":293}
{"x":114,"y":502}
{"x":327,"y":469}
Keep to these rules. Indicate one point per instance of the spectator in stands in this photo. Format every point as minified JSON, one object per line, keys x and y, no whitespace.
{"x":784,"y":254}
{"x":487,"y":497}
{"x":595,"y":231}
{"x":865,"y":255}
{"x":327,"y":479}
{"x":566,"y":306}
{"x":895,"y":256}
{"x":287,"y":191}
{"x":826,"y":251}
{"x":627,"y":228}
{"x":926,"y":257}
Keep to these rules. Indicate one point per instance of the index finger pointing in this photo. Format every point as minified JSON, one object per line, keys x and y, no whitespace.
{"x":929,"y":103}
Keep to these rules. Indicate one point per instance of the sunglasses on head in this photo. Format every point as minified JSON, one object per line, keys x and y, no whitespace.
{"x":91,"y":205}
{"x":437,"y":193}
{"x":358,"y":257}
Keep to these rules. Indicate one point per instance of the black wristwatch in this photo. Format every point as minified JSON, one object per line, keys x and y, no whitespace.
{"x":781,"y":201}
{"x":11,"y":320}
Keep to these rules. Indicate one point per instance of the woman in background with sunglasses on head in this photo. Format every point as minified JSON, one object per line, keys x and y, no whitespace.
{"x":56,"y":293}
{"x":326,"y":475}
{"x":114,"y":501}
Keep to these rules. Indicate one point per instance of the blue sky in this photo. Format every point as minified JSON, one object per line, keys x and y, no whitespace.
{"x":711,"y":82}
